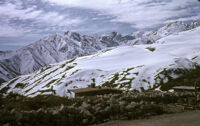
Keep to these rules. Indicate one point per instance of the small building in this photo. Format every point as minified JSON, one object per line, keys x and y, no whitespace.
{"x":94,"y":91}
{"x":193,"y":100}
{"x":186,"y":89}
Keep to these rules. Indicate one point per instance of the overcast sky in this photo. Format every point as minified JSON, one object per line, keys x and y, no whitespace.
{"x":25,"y":21}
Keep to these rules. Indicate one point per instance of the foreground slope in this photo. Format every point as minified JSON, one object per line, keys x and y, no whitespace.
{"x":126,"y":67}
{"x":68,"y":45}
{"x":190,"y":118}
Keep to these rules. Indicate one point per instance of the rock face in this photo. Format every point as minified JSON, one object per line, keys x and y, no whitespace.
{"x":126,"y":67}
{"x":68,"y":45}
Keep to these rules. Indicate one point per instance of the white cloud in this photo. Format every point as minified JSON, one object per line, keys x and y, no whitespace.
{"x":8,"y":31}
{"x":15,"y":11}
{"x":144,"y":16}
{"x":191,"y":18}
{"x":54,"y":18}
{"x":139,"y":13}
{"x":87,"y":3}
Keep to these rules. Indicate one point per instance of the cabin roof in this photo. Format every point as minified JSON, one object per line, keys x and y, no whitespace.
{"x":82,"y":90}
{"x":185,"y":87}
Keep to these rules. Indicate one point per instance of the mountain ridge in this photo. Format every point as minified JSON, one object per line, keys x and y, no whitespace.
{"x":68,"y":45}
{"x":126,"y":67}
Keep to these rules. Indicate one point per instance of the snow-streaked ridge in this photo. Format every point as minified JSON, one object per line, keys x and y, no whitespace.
{"x":69,"y":45}
{"x":126,"y":67}
{"x":52,"y":49}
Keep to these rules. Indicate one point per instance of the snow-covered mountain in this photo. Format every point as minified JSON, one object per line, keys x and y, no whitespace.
{"x":127,"y":67}
{"x":55,"y":48}
{"x":69,"y":45}
{"x":171,"y":28}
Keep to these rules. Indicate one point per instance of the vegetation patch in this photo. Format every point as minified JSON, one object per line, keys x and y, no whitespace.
{"x":2,"y":81}
{"x":51,"y":82}
{"x":126,"y":85}
{"x":47,"y":90}
{"x":152,"y":49}
{"x":75,"y":72}
{"x":68,"y":83}
{"x":136,"y":73}
{"x":20,"y":85}
{"x":110,"y":83}
{"x":40,"y":79}
{"x":194,"y":57}
{"x":4,"y":90}
{"x":13,"y":81}
{"x":68,"y":68}
{"x":64,"y":64}
{"x":187,"y":78}
{"x":50,"y":110}
{"x":120,"y":80}
{"x":45,"y":68}
{"x":27,"y":78}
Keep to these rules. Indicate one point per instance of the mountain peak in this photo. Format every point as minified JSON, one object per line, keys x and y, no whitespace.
{"x":170,"y":28}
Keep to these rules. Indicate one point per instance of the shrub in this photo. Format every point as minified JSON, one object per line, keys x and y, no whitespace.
{"x":187,"y":78}
{"x":152,"y":49}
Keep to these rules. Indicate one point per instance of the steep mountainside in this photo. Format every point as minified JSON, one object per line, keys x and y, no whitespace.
{"x":127,"y":67}
{"x":69,"y":45}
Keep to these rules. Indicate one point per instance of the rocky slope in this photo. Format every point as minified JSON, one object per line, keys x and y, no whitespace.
{"x":126,"y":67}
{"x":69,"y":45}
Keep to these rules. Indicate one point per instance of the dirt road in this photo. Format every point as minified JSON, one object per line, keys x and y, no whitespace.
{"x":191,"y":118}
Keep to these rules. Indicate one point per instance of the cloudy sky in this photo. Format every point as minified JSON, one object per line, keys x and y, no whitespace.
{"x":25,"y":21}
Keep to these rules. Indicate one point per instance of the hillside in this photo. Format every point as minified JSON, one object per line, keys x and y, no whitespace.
{"x":126,"y":67}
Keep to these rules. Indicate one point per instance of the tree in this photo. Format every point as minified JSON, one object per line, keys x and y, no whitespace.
{"x":92,"y":85}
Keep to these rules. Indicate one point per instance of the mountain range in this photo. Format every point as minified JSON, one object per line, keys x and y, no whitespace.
{"x":68,"y":45}
{"x":60,"y":62}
